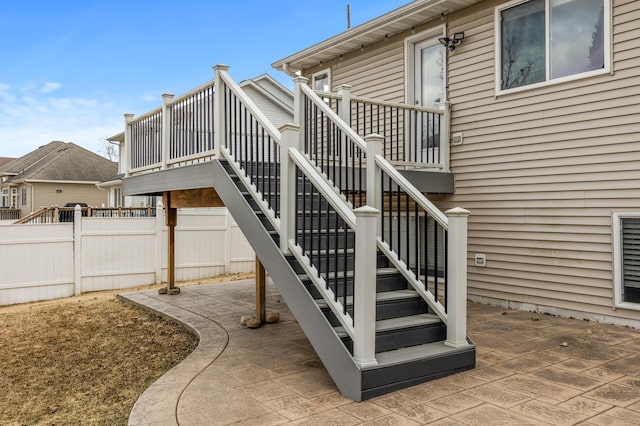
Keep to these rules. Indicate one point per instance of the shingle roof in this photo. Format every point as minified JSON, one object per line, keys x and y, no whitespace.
{"x":5,"y":160}
{"x":61,"y":161}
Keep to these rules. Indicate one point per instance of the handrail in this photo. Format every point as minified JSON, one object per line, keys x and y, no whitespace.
{"x":344,"y":127}
{"x":398,"y":105}
{"x":208,"y":84}
{"x":145,"y":115}
{"x":411,"y":190}
{"x":246,"y":100}
{"x":328,"y":191}
{"x":305,"y":256}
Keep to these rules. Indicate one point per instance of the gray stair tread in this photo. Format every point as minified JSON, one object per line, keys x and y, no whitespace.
{"x":404,"y":322}
{"x":402,"y":355}
{"x":380,"y":297}
{"x":386,"y":296}
{"x":398,"y":323}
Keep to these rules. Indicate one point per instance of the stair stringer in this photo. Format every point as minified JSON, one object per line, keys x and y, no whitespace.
{"x":337,"y":360}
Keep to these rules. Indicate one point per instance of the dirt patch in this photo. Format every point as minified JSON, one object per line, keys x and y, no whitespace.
{"x":84,"y":359}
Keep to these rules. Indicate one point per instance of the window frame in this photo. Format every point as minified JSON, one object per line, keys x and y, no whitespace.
{"x":548,"y":80}
{"x":410,"y":44}
{"x":23,"y":196}
{"x":324,"y":71}
{"x":617,"y":260}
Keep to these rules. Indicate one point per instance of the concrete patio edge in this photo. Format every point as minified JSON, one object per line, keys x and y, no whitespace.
{"x":158,"y":404}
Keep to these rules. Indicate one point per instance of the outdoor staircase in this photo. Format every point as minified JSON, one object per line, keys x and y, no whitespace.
{"x":373,"y":272}
{"x":409,"y":336}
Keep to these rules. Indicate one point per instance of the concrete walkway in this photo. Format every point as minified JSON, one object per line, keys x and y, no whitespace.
{"x":531,"y":369}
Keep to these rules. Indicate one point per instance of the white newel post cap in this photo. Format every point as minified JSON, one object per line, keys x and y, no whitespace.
{"x":457,"y":212}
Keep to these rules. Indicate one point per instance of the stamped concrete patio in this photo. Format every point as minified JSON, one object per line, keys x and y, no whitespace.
{"x":531,"y":369}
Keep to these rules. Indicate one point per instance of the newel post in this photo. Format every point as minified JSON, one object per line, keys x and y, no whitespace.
{"x":166,"y":128}
{"x":289,"y":138}
{"x":218,"y":109}
{"x":298,"y":108}
{"x":344,"y":103}
{"x":375,"y":144}
{"x":364,"y":293}
{"x":457,"y":278}
{"x":126,"y":161}
{"x":77,"y":249}
{"x":445,"y":135}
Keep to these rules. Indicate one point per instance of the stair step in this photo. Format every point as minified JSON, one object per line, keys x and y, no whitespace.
{"x":406,"y":322}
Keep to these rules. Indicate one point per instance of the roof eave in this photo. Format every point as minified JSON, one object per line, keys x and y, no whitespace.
{"x":350,"y":39}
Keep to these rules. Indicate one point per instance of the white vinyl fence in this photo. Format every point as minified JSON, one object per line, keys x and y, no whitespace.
{"x":48,"y":261}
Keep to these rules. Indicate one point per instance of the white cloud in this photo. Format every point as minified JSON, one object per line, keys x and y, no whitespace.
{"x":30,"y":118}
{"x":50,"y":87}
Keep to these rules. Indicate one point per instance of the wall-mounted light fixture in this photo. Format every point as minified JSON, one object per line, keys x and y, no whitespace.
{"x":453,"y":41}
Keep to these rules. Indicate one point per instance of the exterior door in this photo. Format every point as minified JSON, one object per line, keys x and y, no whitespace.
{"x":429,"y":88}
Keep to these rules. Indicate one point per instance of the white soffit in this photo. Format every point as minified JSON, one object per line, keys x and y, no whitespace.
{"x":389,"y":24}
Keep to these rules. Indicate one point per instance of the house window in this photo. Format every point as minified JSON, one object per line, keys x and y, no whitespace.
{"x":23,"y":196}
{"x":5,"y":197}
{"x":321,"y":81}
{"x":117,"y":197}
{"x":626,"y":228}
{"x":545,"y":41}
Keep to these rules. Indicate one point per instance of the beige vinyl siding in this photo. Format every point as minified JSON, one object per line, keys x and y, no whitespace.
{"x":45,"y":194}
{"x":541,"y":170}
{"x":275,"y":113}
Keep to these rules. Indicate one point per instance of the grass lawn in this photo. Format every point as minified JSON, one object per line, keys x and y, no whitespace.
{"x":83,"y":359}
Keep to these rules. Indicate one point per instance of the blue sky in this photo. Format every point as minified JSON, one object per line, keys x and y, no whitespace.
{"x":69,"y":70}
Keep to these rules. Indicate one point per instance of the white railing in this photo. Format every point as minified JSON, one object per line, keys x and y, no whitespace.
{"x":414,"y":136}
{"x":438,"y":273}
{"x":346,"y":171}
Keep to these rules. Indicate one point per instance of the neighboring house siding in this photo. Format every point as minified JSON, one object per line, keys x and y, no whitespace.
{"x":540,"y":170}
{"x":277,"y":115}
{"x":46,"y":195}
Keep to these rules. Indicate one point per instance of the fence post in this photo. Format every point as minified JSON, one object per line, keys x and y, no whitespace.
{"x":457,"y":278}
{"x":126,"y":161}
{"x":159,"y":241}
{"x":289,"y":139}
{"x":445,"y":135}
{"x":77,"y":249}
{"x":298,"y":109}
{"x":166,"y":128}
{"x":218,"y":109}
{"x":364,"y":293}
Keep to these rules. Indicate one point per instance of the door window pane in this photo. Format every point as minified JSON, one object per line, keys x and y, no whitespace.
{"x":577,"y":36}
{"x":432,"y":76}
{"x":523,"y":44}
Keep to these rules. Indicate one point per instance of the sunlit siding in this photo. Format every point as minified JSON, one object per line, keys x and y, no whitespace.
{"x":541,"y":170}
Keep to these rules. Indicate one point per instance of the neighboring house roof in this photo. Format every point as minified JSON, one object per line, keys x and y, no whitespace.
{"x":60,"y":161}
{"x":5,"y":160}
{"x":271,"y":88}
{"x":370,"y":32}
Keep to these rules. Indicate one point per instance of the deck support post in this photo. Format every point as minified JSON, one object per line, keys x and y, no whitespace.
{"x":171,"y":220}
{"x":364,"y":294}
{"x":457,"y":278}
{"x":289,"y":139}
{"x":261,"y":298}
